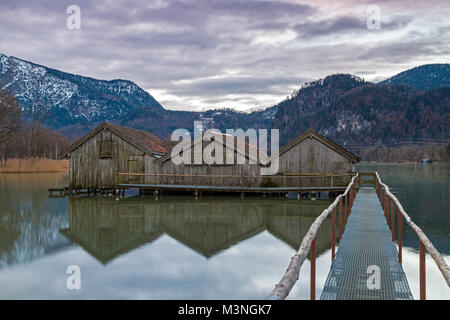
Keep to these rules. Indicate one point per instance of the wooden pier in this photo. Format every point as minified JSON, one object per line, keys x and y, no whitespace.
{"x":302,"y":184}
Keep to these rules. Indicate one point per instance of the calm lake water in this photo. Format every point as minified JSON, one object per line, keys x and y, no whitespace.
{"x":179,"y":248}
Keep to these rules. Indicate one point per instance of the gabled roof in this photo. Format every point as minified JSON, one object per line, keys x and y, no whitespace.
{"x":310,"y":133}
{"x":251,"y":151}
{"x":145,"y":141}
{"x":106,"y":251}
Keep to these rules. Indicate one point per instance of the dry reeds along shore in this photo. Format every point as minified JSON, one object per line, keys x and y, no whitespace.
{"x":34,"y":165}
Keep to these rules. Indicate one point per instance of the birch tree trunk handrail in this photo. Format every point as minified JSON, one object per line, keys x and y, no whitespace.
{"x":290,"y":277}
{"x":440,"y":262}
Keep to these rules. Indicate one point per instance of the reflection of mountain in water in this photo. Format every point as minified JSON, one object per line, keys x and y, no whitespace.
{"x":106,"y":228}
{"x":29,"y":221}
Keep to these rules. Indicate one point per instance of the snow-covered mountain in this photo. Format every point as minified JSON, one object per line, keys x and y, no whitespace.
{"x":345,"y":108}
{"x":69,"y":99}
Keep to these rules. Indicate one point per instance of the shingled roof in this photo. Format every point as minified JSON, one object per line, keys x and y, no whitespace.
{"x":145,"y":141}
{"x":310,"y":133}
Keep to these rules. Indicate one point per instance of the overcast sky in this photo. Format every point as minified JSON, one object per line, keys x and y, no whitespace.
{"x":192,"y":54}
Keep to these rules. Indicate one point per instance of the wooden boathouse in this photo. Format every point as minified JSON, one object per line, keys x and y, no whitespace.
{"x":113,"y":158}
{"x":96,"y":158}
{"x":312,"y":152}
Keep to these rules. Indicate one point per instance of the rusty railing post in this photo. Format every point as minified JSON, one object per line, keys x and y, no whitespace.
{"x":346,"y":208}
{"x":393,"y":220}
{"x":399,"y":237}
{"x":312,"y":287}
{"x":340,"y":219}
{"x":333,"y":233}
{"x":422,"y":275}
{"x":387,"y":210}
{"x":385,"y":206}
{"x":380,"y":193}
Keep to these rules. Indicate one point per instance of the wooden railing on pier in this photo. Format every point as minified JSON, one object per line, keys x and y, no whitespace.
{"x":308,"y":245}
{"x":388,"y":202}
{"x":289,"y":180}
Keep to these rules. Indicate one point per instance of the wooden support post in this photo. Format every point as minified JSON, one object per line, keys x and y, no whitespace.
{"x":422,"y":271}
{"x":399,"y":237}
{"x":393,"y":220}
{"x":312,"y":287}
{"x":333,"y":233}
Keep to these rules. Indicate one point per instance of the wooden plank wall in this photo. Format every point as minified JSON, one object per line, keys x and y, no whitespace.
{"x":89,"y":170}
{"x":312,"y":156}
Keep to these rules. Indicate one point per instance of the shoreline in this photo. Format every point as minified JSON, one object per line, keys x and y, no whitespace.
{"x":34,"y":165}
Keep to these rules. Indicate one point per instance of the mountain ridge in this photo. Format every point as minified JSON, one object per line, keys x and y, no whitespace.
{"x":424,"y":77}
{"x":344,"y":107}
{"x":68,"y":97}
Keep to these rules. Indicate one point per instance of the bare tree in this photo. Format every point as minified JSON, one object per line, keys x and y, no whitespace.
{"x":38,"y":116}
{"x":10,"y":116}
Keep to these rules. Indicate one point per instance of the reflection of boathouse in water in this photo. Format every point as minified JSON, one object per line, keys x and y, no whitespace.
{"x":106,"y":228}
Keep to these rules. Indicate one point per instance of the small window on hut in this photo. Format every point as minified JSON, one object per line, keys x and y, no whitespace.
{"x":105,"y":149}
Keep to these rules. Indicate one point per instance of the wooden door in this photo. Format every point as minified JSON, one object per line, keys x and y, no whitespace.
{"x":136,"y":164}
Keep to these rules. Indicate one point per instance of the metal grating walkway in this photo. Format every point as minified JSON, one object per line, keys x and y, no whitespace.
{"x":366,"y":242}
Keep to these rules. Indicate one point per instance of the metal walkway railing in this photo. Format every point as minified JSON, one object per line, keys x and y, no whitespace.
{"x":389,"y":202}
{"x":344,"y":203}
{"x":371,"y":236}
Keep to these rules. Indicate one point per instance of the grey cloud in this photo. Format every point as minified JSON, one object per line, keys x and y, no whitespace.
{"x":157,"y":44}
{"x":405,"y":50}
{"x":239,"y":85}
{"x":343,"y":25}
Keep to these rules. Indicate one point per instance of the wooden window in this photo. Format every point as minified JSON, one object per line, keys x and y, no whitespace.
{"x":105,"y":149}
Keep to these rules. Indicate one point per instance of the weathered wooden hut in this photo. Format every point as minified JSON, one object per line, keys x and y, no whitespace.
{"x":96,"y":158}
{"x":231,"y":172}
{"x":313,"y":154}
{"x":113,"y":156}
